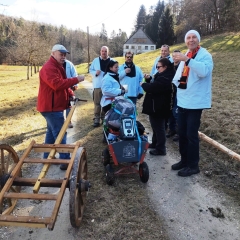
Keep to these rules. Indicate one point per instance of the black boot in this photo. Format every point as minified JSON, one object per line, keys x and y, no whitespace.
{"x":178,"y":166}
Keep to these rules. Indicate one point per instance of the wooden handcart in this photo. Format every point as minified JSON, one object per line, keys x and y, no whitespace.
{"x":75,"y":178}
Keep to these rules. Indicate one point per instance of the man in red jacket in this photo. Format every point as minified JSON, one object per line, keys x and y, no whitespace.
{"x":53,"y":96}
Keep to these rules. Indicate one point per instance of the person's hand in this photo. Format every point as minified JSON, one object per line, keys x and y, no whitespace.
{"x":146,"y":76}
{"x":139,"y":96}
{"x":75,"y":87}
{"x":127,"y":70}
{"x":80,"y":78}
{"x":97,"y":72}
{"x":180,"y":57}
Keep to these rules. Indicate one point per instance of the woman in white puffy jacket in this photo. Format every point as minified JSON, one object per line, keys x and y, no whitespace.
{"x":111,"y":87}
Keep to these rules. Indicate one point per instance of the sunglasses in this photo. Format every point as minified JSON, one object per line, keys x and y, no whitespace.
{"x":158,"y":67}
{"x":129,"y":56}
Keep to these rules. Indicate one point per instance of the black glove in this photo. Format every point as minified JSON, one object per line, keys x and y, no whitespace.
{"x":139,"y":96}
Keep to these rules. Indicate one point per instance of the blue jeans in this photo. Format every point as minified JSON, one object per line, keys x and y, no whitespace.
{"x":55,"y":121}
{"x":188,"y":124}
{"x":67,"y":111}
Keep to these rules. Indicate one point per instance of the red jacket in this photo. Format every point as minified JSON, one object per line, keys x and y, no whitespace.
{"x":53,"y":95}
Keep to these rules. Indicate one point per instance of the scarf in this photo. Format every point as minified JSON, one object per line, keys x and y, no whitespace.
{"x":133,"y":70}
{"x":185,"y":71}
{"x":114,"y":75}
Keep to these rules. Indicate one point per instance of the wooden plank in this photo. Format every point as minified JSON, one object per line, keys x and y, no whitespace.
{"x":19,"y":181}
{"x":20,"y":224}
{"x":59,"y":147}
{"x":24,"y":219}
{"x":40,"y":160}
{"x":30,"y":196}
{"x":219,"y":146}
{"x":15,"y":171}
{"x":76,"y":154}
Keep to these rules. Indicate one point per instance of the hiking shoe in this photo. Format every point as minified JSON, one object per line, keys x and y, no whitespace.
{"x":187,"y":171}
{"x":175,"y":138}
{"x":96,"y":122}
{"x":63,"y":166}
{"x":70,"y":125}
{"x":178,"y":166}
{"x":156,"y":152}
{"x":151,"y":145}
{"x":170,"y":133}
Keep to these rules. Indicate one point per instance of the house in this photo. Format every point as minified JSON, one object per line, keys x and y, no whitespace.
{"x":139,"y":42}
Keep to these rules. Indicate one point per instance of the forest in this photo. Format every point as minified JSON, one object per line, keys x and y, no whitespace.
{"x":28,"y":43}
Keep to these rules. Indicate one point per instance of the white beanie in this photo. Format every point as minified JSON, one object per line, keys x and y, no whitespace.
{"x":194,"y":32}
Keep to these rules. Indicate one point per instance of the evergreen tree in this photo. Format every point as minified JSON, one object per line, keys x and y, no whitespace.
{"x":141,"y":18}
{"x":166,"y":29}
{"x":152,"y":22}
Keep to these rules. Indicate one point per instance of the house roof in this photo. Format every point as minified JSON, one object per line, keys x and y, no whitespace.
{"x":139,"y":37}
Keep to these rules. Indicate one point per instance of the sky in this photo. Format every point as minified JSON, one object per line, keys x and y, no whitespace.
{"x":79,"y":14}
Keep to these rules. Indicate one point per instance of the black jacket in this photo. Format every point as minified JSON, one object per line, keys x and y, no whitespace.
{"x":159,"y":94}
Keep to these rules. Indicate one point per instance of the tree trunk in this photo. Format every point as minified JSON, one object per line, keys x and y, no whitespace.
{"x":28,"y":71}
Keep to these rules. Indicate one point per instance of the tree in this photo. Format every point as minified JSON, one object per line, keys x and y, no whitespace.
{"x":141,"y":18}
{"x":166,"y":29}
{"x":152,"y":22}
{"x":116,"y":43}
{"x":103,"y":34}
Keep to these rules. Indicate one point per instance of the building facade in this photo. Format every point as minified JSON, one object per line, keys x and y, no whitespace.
{"x":138,"y":43}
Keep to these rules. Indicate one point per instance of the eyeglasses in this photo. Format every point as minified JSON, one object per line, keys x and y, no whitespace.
{"x":158,"y":67}
{"x":129,"y":56}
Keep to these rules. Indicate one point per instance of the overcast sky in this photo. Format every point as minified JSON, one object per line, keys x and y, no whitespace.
{"x":78,"y":14}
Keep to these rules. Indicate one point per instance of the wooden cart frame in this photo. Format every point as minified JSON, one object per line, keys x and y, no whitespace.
{"x":75,"y":179}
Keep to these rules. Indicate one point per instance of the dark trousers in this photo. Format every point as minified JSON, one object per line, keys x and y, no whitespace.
{"x":107,"y":107}
{"x":133,"y":99}
{"x":188,"y":125}
{"x":159,"y":135}
{"x":172,"y":120}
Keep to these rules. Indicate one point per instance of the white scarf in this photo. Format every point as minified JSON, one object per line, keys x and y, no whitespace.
{"x":178,"y":73}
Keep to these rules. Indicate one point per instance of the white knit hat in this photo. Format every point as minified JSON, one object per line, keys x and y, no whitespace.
{"x":194,"y":32}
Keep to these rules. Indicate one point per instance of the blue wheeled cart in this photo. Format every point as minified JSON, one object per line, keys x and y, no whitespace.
{"x":127,"y":147}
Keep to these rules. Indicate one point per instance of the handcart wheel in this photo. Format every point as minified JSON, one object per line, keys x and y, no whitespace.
{"x":143,"y":172}
{"x":78,"y":187}
{"x":9,"y":160}
{"x":109,"y":175}
{"x":106,"y":157}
